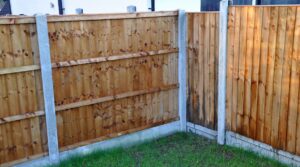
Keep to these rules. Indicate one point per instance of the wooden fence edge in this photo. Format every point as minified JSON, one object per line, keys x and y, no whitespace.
{"x":85,"y":17}
{"x":111,"y":16}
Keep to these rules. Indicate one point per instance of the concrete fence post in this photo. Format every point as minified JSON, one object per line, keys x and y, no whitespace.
{"x":222,"y":71}
{"x":182,"y":61}
{"x":47,"y":82}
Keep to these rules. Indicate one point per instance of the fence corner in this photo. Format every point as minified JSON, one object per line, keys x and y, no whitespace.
{"x":182,"y":68}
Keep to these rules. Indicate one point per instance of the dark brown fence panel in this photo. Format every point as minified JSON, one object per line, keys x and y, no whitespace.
{"x":203,"y":41}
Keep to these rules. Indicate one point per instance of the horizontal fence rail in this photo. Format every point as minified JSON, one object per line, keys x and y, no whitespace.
{"x":113,"y":74}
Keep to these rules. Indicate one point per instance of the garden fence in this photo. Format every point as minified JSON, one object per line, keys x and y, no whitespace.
{"x":263,"y":75}
{"x":104,"y":76}
{"x":112,"y":75}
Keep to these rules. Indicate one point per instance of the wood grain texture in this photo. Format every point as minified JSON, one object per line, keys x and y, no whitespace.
{"x":203,"y":32}
{"x":21,"y":133}
{"x":268,"y":82}
{"x":113,"y":74}
{"x":115,"y":77}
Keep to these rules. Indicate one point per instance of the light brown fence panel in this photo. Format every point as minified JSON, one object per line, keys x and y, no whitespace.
{"x":263,"y":74}
{"x":113,"y":74}
{"x":203,"y":41}
{"x":22,"y":124}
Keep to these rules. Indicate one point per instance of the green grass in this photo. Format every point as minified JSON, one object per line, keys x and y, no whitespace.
{"x":174,"y":151}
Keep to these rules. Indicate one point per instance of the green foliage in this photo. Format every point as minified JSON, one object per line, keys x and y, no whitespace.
{"x":178,"y":150}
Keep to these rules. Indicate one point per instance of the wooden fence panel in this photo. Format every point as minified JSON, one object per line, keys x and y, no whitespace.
{"x":203,"y":42}
{"x":22,"y":124}
{"x":113,"y":76}
{"x":263,"y":74}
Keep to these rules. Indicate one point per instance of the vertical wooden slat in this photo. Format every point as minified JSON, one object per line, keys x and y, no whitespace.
{"x":216,"y":69}
{"x":75,"y":85}
{"x":135,"y":47}
{"x":6,"y":141}
{"x":206,"y":68}
{"x":294,"y":89}
{"x":196,"y":60}
{"x":16,"y":46}
{"x":286,"y":76}
{"x":55,"y":44}
{"x":298,"y":131}
{"x":235,"y":74}
{"x":248,"y":69}
{"x":255,"y":71}
{"x":202,"y":112}
{"x":212,"y":72}
{"x":263,"y":67}
{"x":277,"y":85}
{"x":242,"y":61}
{"x":190,"y":51}
{"x":28,"y":97}
{"x":230,"y":66}
{"x":67,"y":88}
{"x":37,"y":93}
{"x":270,"y":74}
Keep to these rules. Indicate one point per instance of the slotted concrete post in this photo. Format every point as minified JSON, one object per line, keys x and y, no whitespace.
{"x":47,"y":82}
{"x":222,"y":71}
{"x":182,"y":61}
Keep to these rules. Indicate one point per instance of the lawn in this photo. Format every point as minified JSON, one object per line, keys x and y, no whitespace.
{"x":177,"y":150}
